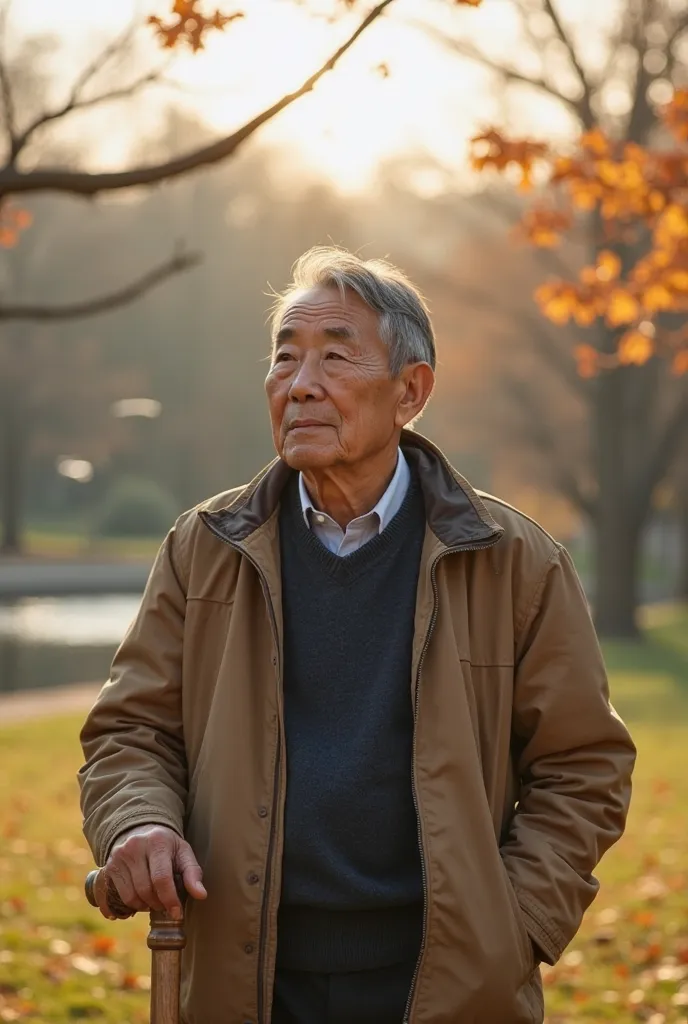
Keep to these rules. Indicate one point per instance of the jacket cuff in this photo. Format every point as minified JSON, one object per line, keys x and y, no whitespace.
{"x":548,"y":941}
{"x":122,"y":823}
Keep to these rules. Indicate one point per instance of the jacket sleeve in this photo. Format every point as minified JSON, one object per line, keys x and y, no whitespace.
{"x":574,"y":761}
{"x":135,"y":770}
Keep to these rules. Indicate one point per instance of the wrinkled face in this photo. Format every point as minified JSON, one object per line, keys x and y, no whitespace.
{"x":329,"y":389}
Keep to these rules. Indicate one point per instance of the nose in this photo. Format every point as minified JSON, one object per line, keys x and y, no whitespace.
{"x":305,"y":385}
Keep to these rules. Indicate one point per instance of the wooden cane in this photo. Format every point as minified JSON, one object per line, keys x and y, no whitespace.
{"x":166,"y":939}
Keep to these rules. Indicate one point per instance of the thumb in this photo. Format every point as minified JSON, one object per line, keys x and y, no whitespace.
{"x":191,"y":871}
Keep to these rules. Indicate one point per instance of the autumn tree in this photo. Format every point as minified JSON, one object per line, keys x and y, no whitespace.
{"x":619,"y":195}
{"x":27,"y":170}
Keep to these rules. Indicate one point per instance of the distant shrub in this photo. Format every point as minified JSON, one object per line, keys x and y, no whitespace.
{"x":136,"y":507}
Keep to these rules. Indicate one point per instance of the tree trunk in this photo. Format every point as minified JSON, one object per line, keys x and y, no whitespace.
{"x":12,"y":443}
{"x":617,"y":524}
{"x":11,"y":470}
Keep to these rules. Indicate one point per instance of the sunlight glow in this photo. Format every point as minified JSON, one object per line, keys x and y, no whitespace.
{"x":357,"y":115}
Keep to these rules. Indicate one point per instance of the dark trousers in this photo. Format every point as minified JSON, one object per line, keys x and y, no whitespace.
{"x":361,"y":997}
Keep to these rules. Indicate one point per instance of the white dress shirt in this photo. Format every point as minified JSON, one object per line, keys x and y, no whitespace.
{"x":364,"y":528}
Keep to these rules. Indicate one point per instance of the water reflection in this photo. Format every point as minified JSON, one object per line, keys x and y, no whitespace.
{"x":55,"y":641}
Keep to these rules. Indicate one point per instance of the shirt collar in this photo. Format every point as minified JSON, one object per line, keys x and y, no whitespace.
{"x":388,"y":505}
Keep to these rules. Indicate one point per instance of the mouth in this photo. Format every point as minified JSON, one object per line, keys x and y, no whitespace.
{"x":306,"y":424}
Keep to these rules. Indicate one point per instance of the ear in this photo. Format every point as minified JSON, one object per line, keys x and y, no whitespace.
{"x":417,"y":380}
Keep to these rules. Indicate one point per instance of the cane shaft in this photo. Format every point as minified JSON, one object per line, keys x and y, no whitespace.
{"x":166,"y":941}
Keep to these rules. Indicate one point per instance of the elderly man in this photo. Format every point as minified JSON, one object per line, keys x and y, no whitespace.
{"x":363,"y":702}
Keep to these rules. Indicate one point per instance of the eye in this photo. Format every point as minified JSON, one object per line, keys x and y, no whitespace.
{"x":282,"y":357}
{"x":334,"y":355}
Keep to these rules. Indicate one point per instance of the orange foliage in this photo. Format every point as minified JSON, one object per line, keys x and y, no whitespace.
{"x":191,"y":25}
{"x":632,"y":188}
{"x":12,"y":222}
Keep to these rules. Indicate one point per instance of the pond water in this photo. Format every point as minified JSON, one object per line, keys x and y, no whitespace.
{"x":55,"y":641}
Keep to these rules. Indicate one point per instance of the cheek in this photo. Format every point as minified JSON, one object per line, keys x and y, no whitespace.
{"x":276,"y":392}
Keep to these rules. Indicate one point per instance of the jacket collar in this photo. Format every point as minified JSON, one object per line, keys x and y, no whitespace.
{"x":455,"y":512}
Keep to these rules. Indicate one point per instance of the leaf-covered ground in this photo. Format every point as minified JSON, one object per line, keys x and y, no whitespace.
{"x":61,"y":961}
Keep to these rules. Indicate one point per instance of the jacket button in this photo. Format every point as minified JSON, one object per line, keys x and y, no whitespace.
{"x":252,"y":878}
{"x":248,"y":948}
{"x":262,"y":812}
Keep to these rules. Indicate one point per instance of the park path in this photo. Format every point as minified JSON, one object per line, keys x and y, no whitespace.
{"x":21,"y":705}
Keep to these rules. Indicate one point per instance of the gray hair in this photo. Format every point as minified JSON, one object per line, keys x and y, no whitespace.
{"x":405,"y":325}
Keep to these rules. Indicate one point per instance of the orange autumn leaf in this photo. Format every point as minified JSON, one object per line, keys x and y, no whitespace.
{"x":608,"y":266}
{"x":622,"y":308}
{"x":557,"y":301}
{"x":635,"y":348}
{"x":675,"y":114}
{"x":102,"y":945}
{"x":679,"y":364}
{"x":493,"y":150}
{"x":543,"y":226}
{"x":596,"y":142}
{"x":191,"y":25}
{"x":587,"y":359}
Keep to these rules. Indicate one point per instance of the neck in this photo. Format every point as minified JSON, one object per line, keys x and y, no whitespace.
{"x":346,"y":492}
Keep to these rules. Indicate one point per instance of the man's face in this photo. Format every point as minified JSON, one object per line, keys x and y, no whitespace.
{"x":329,"y":389}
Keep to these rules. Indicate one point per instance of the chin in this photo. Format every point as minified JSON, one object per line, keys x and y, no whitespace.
{"x":303,"y":457}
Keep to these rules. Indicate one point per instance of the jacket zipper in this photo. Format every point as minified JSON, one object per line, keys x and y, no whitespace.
{"x":275,"y":788}
{"x":416,"y":702}
{"x":426,"y":644}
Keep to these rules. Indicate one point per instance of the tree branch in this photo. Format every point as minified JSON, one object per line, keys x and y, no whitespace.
{"x":74,"y":103}
{"x":104,"y":303}
{"x":537,"y":431}
{"x":510,"y":74}
{"x":587,"y":116}
{"x":534,"y":327}
{"x":6,"y":88}
{"x":84,"y":183}
{"x":678,"y":29}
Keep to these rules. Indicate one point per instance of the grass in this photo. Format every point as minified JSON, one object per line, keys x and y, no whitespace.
{"x":46,"y":543}
{"x":61,"y":961}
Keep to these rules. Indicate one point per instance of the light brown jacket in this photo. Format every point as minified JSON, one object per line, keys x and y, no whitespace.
{"x":521,"y":767}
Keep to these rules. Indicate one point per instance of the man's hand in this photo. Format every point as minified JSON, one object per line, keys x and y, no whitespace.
{"x":142,"y":864}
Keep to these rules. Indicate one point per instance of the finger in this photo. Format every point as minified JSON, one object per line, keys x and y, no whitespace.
{"x":162,"y":880}
{"x":142,"y":883}
{"x":120,"y":873}
{"x":191,"y":871}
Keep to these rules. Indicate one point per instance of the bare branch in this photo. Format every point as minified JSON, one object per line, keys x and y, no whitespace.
{"x":104,"y":303}
{"x":510,"y":74}
{"x":116,"y":46}
{"x":587,"y":117}
{"x":678,"y":30}
{"x":534,"y":327}
{"x":5,"y":86}
{"x":74,"y":103}
{"x":84,"y":183}
{"x":539,"y":432}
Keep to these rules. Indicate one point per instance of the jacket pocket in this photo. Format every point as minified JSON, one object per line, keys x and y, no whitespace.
{"x":527,"y":951}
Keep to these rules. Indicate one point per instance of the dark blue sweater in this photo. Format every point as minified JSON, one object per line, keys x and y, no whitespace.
{"x":352,"y":891}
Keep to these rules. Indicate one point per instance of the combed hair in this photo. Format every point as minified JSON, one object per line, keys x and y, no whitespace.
{"x":405,"y":325}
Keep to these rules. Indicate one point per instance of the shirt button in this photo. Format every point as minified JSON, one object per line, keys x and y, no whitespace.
{"x":262,"y":812}
{"x":248,"y":948}
{"x":320,"y":519}
{"x":252,"y":878}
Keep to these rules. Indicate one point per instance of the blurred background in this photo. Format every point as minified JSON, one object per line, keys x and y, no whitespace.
{"x":133,"y":338}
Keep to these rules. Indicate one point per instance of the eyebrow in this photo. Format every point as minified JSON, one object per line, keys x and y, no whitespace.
{"x":342,"y":333}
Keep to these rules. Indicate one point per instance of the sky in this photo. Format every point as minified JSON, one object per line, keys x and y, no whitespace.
{"x":430,"y":101}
